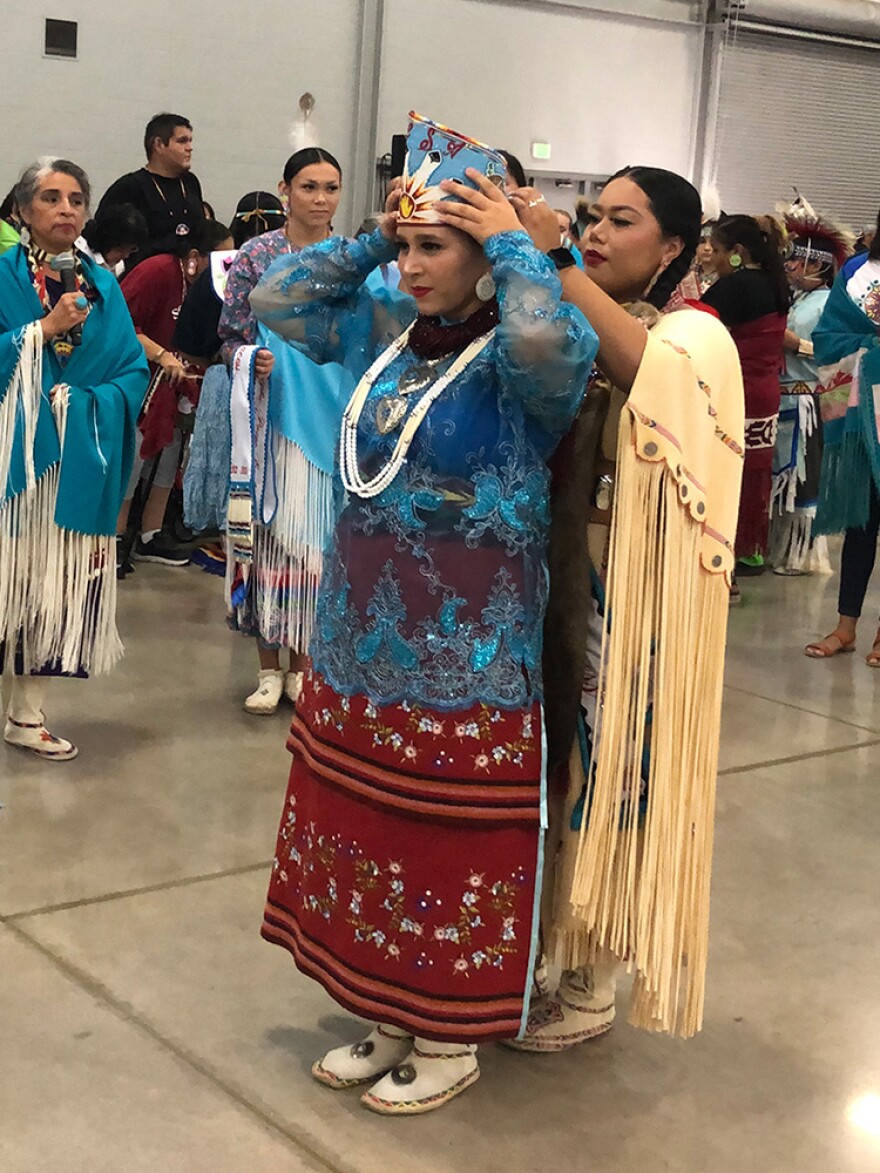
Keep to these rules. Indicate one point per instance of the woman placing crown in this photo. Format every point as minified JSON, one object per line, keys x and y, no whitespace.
{"x":407,"y":874}
{"x":645,"y":497}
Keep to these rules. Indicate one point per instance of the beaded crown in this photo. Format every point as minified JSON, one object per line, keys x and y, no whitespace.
{"x":435,"y":153}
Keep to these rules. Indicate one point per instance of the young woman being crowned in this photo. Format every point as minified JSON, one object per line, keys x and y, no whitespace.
{"x":408,"y":861}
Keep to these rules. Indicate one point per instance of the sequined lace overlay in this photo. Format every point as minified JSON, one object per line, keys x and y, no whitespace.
{"x":436,"y":589}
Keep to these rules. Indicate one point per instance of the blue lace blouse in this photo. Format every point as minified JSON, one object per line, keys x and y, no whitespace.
{"x":434,"y":591}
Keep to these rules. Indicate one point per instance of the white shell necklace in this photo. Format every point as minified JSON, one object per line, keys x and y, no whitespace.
{"x":348,"y":457}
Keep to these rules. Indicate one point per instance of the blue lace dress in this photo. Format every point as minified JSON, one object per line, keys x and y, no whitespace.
{"x":417,"y":783}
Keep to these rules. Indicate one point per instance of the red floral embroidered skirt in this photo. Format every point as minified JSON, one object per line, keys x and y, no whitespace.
{"x":406,"y":865}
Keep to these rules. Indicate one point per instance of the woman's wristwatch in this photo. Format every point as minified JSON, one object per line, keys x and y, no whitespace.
{"x":561,"y":257}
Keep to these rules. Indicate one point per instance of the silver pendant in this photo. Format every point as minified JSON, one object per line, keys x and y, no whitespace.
{"x":416,"y":379}
{"x":605,"y":493}
{"x":390,"y":410}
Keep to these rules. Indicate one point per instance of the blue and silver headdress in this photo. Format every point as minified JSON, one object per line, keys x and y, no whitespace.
{"x":435,"y":153}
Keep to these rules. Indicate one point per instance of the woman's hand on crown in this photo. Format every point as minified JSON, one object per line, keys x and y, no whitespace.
{"x":482,"y":212}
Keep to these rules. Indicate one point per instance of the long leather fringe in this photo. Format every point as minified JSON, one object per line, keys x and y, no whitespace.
{"x":57,"y":587}
{"x":641,"y":889}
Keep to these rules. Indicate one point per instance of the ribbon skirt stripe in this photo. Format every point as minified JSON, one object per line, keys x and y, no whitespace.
{"x":411,"y":898}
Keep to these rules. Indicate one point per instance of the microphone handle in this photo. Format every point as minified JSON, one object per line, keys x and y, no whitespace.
{"x":68,"y":280}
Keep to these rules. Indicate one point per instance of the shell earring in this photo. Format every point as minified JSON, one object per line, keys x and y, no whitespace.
{"x":485,"y":288}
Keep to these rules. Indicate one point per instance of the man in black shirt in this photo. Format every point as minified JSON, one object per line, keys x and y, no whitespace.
{"x":165,"y":191}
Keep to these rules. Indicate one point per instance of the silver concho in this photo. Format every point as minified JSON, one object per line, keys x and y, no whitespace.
{"x":390,"y":411}
{"x":404,"y":1074}
{"x":416,"y":379}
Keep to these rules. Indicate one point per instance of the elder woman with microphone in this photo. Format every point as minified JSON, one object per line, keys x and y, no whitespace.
{"x":72,"y":380}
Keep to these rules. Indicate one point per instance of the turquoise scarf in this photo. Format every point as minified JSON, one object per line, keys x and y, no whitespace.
{"x":107,"y":376}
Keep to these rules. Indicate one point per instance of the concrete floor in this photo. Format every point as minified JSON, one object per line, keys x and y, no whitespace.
{"x":145,"y":1026}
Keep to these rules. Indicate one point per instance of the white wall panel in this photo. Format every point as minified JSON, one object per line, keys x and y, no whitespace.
{"x":236,"y":70}
{"x":604,"y":91}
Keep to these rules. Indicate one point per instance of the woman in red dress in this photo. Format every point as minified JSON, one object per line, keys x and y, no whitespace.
{"x":752,"y":297}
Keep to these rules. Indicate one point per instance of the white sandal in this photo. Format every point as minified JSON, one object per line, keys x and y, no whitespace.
{"x":264,"y":700}
{"x":583,"y":1008}
{"x":293,"y":683}
{"x":431,"y":1076}
{"x":382,"y":1049}
{"x":36,"y":738}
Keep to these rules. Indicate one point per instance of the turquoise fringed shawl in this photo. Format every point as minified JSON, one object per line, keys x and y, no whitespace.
{"x":107,"y":376}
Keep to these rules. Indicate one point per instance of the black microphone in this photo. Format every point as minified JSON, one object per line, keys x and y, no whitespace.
{"x":65,"y":264}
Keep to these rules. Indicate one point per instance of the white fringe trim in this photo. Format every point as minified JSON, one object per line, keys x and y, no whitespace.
{"x":22,"y":396}
{"x":290,"y":550}
{"x":57,"y":588}
{"x":791,"y":527}
{"x":793,"y":547}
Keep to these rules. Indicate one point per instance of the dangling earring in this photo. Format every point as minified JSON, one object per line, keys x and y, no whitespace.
{"x":485,"y":288}
{"x":660,"y":271}
{"x":191,"y":268}
{"x":735,"y":261}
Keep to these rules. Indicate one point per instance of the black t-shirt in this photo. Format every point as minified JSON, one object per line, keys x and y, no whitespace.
{"x":166,"y":204}
{"x":196,"y":331}
{"x":742,"y":297}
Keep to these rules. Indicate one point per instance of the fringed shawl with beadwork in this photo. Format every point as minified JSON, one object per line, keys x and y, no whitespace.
{"x":67,"y":438}
{"x":641,"y":886}
{"x":284,"y":433}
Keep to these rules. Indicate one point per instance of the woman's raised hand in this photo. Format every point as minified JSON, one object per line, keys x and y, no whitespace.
{"x":482,"y":213}
{"x":537,"y":217}
{"x":66,"y":314}
{"x":392,"y":203}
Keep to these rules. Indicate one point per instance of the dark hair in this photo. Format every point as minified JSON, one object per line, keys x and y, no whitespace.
{"x":764,"y":247}
{"x":675,"y":204}
{"x":514,"y":167}
{"x":7,"y":208}
{"x":208,"y":209}
{"x":212,"y":236}
{"x":204,"y":236}
{"x":874,"y":250}
{"x":162,"y":127}
{"x":256,"y":213}
{"x":27,"y":187}
{"x":116,"y":226}
{"x":307,"y":157}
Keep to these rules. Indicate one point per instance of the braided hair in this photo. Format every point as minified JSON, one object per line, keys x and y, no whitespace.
{"x":675,"y":204}
{"x":765,"y":248}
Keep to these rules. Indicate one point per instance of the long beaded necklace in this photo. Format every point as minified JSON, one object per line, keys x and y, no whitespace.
{"x":348,"y":457}
{"x":38,"y":259}
{"x":181,"y":229}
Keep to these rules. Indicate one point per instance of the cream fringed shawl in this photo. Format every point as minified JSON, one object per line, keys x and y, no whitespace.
{"x":641,"y":887}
